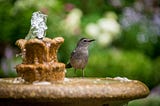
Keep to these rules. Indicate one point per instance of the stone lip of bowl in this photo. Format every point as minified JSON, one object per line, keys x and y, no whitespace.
{"x":74,"y":89}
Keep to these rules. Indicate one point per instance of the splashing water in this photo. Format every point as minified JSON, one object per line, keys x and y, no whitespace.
{"x":38,"y":26}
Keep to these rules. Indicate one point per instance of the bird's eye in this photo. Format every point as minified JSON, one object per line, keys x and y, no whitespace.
{"x":85,"y":40}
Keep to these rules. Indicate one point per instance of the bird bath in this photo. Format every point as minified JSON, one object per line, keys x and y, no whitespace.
{"x":42,"y":79}
{"x":72,"y":92}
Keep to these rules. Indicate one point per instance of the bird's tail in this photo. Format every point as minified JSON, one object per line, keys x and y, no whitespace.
{"x":68,"y":65}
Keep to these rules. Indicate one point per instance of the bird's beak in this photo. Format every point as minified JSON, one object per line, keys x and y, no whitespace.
{"x":91,"y":40}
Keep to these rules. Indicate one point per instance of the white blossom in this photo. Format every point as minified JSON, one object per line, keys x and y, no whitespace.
{"x":92,"y":29}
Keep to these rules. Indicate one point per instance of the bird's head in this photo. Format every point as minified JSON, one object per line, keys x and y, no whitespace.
{"x":84,"y":42}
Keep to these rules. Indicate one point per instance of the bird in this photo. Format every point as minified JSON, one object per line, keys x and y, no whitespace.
{"x":79,"y":56}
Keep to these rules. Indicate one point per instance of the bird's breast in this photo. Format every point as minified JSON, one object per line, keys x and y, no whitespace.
{"x":79,"y":60}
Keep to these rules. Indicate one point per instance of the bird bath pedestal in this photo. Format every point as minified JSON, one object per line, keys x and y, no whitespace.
{"x":72,"y":92}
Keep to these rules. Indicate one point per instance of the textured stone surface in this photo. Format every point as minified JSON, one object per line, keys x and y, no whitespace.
{"x":74,"y":90}
{"x":41,"y":72}
{"x":39,"y":60}
{"x":35,"y":51}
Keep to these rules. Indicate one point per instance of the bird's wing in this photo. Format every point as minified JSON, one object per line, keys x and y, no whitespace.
{"x":69,"y":64}
{"x":73,"y":53}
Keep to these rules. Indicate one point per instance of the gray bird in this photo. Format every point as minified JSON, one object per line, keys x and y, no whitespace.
{"x":79,"y":57}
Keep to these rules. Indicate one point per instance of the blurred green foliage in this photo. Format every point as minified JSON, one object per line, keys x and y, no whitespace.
{"x":113,"y":63}
{"x":149,"y":101}
{"x":133,"y":52}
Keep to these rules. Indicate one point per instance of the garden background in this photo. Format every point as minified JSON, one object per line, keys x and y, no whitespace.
{"x":127,"y":34}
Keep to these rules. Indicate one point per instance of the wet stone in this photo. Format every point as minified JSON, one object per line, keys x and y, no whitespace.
{"x":39,"y":60}
{"x":73,"y":91}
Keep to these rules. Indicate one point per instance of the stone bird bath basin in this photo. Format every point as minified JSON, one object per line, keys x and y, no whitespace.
{"x":72,"y":92}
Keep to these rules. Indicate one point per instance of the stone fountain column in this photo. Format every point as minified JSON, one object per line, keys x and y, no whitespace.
{"x":40,"y":61}
{"x":39,"y":53}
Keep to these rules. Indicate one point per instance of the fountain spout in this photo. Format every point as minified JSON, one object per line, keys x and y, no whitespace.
{"x":39,"y":53}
